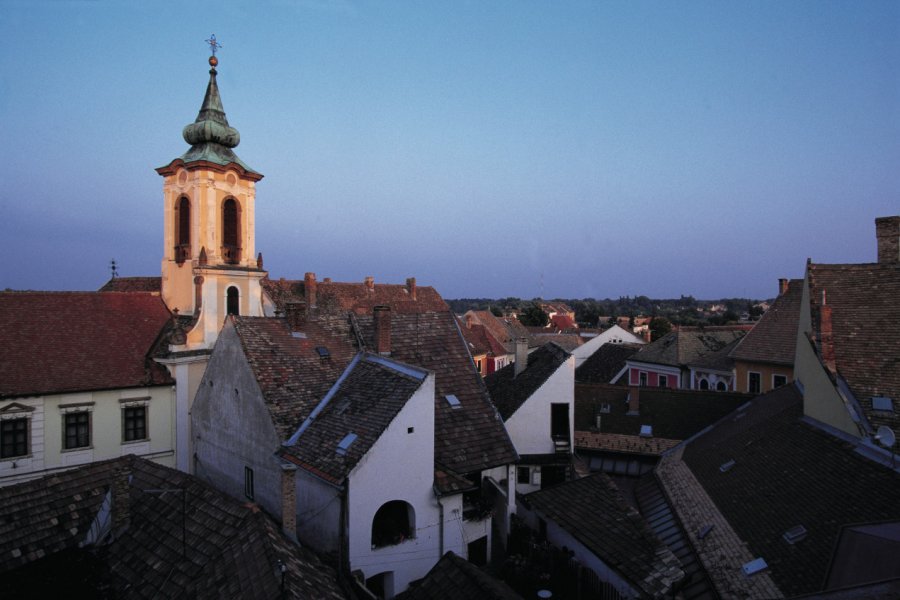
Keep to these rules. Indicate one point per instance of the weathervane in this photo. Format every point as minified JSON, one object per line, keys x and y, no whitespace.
{"x":213,"y":44}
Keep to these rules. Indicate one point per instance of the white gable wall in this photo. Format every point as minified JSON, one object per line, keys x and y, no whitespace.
{"x":613,"y":335}
{"x":399,"y":466}
{"x":529,"y":426}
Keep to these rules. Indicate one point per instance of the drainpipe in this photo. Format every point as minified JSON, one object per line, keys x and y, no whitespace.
{"x":441,"y":529}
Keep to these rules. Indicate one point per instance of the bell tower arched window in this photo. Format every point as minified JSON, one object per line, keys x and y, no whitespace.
{"x":182,"y":230}
{"x":231,"y":251}
{"x":233,"y":301}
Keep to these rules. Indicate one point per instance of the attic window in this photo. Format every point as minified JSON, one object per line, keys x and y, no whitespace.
{"x":323,"y":352}
{"x":453,"y":401}
{"x":346,"y":443}
{"x":795,"y":534}
{"x":727,"y":466}
{"x":646,"y":431}
{"x":882,"y":403}
{"x":605,"y":408}
{"x":755,"y":566}
{"x":298,"y":335}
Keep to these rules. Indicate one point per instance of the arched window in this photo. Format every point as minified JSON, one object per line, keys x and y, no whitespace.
{"x":704,"y":384}
{"x":231,"y":232}
{"x":182,"y":230}
{"x":721,"y":387}
{"x":395,"y":522}
{"x":233,"y":301}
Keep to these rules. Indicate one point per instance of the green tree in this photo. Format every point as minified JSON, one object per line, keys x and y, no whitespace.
{"x":533,"y":316}
{"x":659,"y":326}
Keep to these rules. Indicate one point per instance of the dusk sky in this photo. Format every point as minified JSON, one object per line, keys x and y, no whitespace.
{"x":490,"y":149}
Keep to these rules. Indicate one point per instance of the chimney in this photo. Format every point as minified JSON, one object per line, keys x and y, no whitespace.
{"x":295,"y":313}
{"x":288,"y":501}
{"x":521,"y":355}
{"x":382,"y":319}
{"x":887,"y":231}
{"x":470,"y":320}
{"x":309,"y":287}
{"x":782,"y":286}
{"x":370,"y":283}
{"x":121,"y":499}
{"x":634,"y":401}
{"x":326,"y":280}
{"x":646,"y":335}
{"x":826,"y":335}
{"x":411,"y":287}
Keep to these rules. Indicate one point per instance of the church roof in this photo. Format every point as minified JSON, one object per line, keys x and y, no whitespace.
{"x":55,"y":342}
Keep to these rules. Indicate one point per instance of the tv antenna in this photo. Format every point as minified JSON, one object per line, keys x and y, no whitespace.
{"x":887,"y":438}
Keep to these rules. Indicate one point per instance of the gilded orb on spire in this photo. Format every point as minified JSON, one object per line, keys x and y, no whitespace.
{"x":213,"y":46}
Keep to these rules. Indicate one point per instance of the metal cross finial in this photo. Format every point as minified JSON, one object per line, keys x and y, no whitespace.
{"x":213,"y":44}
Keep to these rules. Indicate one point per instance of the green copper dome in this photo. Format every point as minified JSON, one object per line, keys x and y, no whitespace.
{"x":210,"y":136}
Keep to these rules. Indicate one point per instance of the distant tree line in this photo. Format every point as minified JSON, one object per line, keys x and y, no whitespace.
{"x":685,"y":310}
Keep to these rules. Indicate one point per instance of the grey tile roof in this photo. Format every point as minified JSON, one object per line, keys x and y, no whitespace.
{"x":510,"y":391}
{"x":774,"y":337}
{"x":371,"y":392}
{"x":787,"y":472}
{"x":455,"y":578}
{"x":227,"y":549}
{"x":593,"y":511}
{"x":688,"y":345}
{"x":605,"y":363}
{"x":866,"y":330}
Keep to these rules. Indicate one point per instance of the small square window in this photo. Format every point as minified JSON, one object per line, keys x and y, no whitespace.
{"x":77,"y":427}
{"x":523,"y":475}
{"x":778,"y":381}
{"x":13,"y":438}
{"x":410,"y":429}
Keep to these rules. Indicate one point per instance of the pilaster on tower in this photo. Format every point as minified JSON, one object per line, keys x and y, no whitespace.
{"x":209,"y":265}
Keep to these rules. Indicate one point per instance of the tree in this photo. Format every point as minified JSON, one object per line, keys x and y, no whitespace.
{"x":659,"y":326}
{"x":533,"y":316}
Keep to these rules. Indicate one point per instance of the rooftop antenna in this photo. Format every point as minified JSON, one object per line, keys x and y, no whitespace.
{"x":886,"y":437}
{"x":113,"y":268}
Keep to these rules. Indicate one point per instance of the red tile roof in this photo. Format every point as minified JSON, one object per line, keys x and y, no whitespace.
{"x":132,"y":284}
{"x":359,"y":297}
{"x":54,"y":342}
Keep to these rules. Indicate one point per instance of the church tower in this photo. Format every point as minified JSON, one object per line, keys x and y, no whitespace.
{"x":210,"y":268}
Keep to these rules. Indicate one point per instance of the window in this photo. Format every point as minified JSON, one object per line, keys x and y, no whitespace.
{"x":642,"y":379}
{"x":478,"y":365}
{"x":523,"y":475}
{"x":182,"y":230}
{"x":134,"y":423}
{"x":248,"y":482}
{"x":230,"y":232}
{"x":753,"y":383}
{"x":77,"y":432}
{"x":721,"y":387}
{"x":233,"y":301}
{"x":13,"y":437}
{"x":704,"y":384}
{"x":663,"y":381}
{"x":394,"y":523}
{"x":778,"y":381}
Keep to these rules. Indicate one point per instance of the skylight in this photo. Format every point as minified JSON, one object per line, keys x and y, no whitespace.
{"x":882,"y":403}
{"x":755,"y":566}
{"x":346,"y":443}
{"x":453,"y":401}
{"x":727,"y":466}
{"x":795,"y":534}
{"x":323,"y":352}
{"x":646,"y":431}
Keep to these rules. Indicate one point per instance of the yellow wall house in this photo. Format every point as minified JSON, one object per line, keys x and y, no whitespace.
{"x":78,"y":383}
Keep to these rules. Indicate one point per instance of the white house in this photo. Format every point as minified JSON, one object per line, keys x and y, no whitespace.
{"x":613,"y":335}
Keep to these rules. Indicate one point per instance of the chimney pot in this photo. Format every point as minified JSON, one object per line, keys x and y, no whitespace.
{"x":289,"y":501}
{"x":411,"y":287}
{"x":634,"y":400}
{"x":521,"y":355}
{"x":295,"y":313}
{"x":647,"y":335}
{"x":887,"y":233}
{"x":382,"y":320}
{"x":309,"y":289}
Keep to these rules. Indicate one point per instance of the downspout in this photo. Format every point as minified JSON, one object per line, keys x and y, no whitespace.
{"x":441,"y":519}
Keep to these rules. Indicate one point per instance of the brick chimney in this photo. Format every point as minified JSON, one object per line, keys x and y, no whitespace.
{"x":121,"y":499}
{"x":411,"y":287}
{"x":370,"y":283}
{"x":309,"y":288}
{"x":295,"y":313}
{"x":382,"y":320}
{"x":647,"y":335}
{"x":826,"y":335}
{"x":887,"y":231}
{"x":521,"y":355}
{"x":634,"y":401}
{"x":782,"y":286}
{"x":289,"y":500}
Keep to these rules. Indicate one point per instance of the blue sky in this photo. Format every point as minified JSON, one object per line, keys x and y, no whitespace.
{"x":491,"y":149}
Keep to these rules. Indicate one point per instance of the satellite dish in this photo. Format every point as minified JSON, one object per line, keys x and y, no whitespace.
{"x":886,"y":436}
